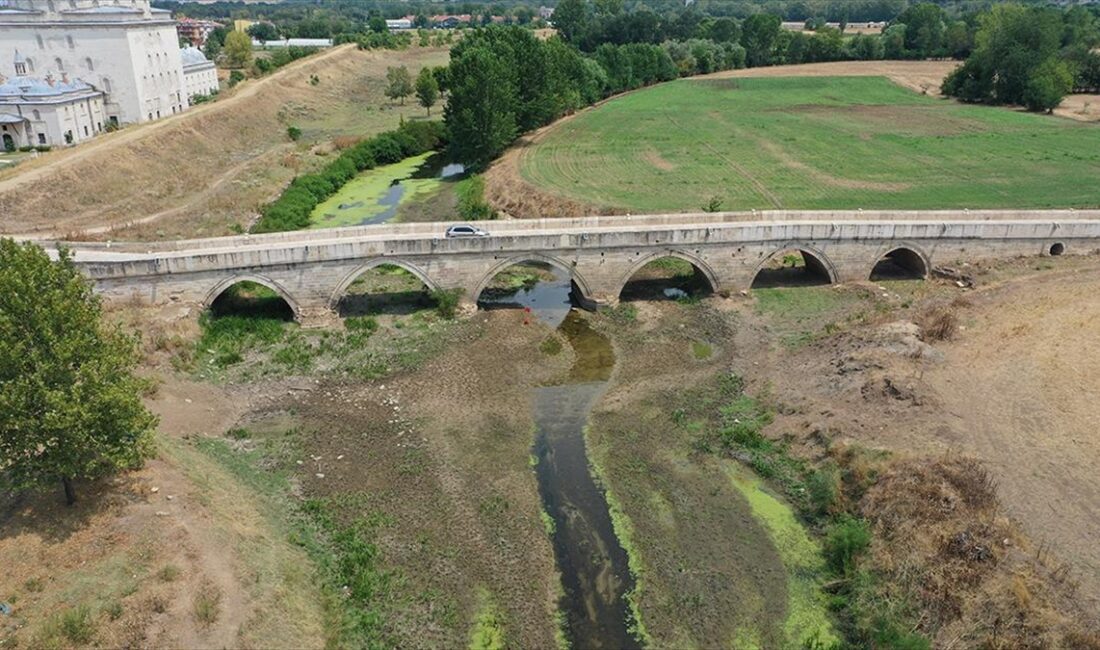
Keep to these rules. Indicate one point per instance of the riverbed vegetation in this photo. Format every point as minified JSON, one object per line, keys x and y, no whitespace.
{"x":295,"y":206}
{"x":251,"y":334}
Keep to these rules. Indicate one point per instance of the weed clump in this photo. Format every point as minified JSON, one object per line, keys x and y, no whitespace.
{"x":938,"y":324}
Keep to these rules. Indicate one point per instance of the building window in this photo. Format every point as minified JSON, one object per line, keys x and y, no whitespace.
{"x":106,"y":84}
{"x":30,"y":64}
{"x":68,"y":137}
{"x":41,"y":43}
{"x":37,"y":115}
{"x":113,"y":120}
{"x":85,"y":130}
{"x":59,"y":63}
{"x":69,"y":41}
{"x":41,"y":138}
{"x":88,"y":62}
{"x":99,"y":126}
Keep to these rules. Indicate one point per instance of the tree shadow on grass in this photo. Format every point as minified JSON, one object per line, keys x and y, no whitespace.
{"x":42,"y":512}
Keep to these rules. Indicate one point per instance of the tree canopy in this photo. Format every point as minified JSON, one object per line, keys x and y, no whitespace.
{"x":1017,"y":59}
{"x":70,"y":406}
{"x":427,"y":89}
{"x":238,"y":49}
{"x":399,"y":84}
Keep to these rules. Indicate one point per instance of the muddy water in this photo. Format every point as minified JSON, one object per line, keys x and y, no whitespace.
{"x":595,"y":573}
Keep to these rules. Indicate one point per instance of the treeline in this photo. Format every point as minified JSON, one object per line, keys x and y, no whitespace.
{"x":292,"y":210}
{"x":1029,"y":56}
{"x":503,"y":81}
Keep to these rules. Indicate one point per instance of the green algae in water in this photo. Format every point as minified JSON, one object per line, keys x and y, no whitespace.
{"x":374,"y":195}
{"x":807,"y":618}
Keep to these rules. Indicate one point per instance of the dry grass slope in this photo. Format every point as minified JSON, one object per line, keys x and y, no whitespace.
{"x":201,"y":172}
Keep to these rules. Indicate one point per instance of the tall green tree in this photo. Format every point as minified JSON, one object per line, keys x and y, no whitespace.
{"x":427,"y":89}
{"x":570,"y":19}
{"x":759,"y":34}
{"x":399,"y":84}
{"x":1012,"y":45}
{"x":70,"y":406}
{"x":925,"y":30}
{"x":481,"y":110}
{"x":263,"y":32}
{"x":238,"y":49}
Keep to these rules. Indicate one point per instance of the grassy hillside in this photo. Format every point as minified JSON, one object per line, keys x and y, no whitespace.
{"x":814,"y":143}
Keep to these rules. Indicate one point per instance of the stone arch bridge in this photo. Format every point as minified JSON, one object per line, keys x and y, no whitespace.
{"x":311,"y":270}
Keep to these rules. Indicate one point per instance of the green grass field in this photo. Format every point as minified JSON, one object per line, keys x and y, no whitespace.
{"x":813,"y":143}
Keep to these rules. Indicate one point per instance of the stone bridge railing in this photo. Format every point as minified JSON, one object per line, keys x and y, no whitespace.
{"x":312,"y":269}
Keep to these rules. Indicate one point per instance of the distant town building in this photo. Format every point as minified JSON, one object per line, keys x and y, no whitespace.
{"x":47,"y":111}
{"x":399,"y":23}
{"x":450,"y":22}
{"x":200,"y":75}
{"x":546,"y":12}
{"x":295,"y":42}
{"x":194,"y":31}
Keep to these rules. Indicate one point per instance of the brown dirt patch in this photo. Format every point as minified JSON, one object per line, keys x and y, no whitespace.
{"x":921,"y":76}
{"x":654,"y":158}
{"x":1082,"y":107}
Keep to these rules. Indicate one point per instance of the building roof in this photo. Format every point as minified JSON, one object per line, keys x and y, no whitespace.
{"x":192,"y":56}
{"x":35,"y":87}
{"x":8,"y":118}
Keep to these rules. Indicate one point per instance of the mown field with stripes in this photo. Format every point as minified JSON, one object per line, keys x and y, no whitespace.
{"x":811,"y":143}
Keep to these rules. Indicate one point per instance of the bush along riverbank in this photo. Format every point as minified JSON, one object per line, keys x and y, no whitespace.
{"x":292,"y":210}
{"x":827,"y":497}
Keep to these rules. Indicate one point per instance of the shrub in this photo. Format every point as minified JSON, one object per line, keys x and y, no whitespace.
{"x":294,"y":133}
{"x":938,"y":324}
{"x":471,"y":200}
{"x":446,"y":301}
{"x":235,"y":77}
{"x":846,"y":539}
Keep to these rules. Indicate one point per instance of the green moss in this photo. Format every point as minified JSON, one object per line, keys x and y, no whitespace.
{"x":624,"y":531}
{"x":701,"y":350}
{"x":807,"y":618}
{"x":550,"y":346}
{"x":488,"y":630}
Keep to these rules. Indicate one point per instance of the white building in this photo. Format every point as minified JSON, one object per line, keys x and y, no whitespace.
{"x":200,"y":76}
{"x":124,"y":48}
{"x":49,"y":110}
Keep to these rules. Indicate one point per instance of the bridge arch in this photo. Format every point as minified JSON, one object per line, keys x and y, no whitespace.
{"x":900,"y":261}
{"x":815,"y":260}
{"x":221,"y":287}
{"x":700,"y":266}
{"x":350,"y":278}
{"x":577,"y":279}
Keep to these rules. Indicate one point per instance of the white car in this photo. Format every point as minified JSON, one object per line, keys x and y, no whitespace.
{"x":463,"y":230}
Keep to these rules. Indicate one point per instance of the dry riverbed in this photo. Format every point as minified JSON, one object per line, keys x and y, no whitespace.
{"x":389,"y":470}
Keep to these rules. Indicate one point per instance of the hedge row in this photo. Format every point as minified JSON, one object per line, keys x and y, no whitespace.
{"x":291,"y":211}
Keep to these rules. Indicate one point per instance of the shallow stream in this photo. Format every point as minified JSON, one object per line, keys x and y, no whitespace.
{"x":593,"y":564}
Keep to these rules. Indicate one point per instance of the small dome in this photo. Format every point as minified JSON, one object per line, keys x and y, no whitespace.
{"x":192,"y":56}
